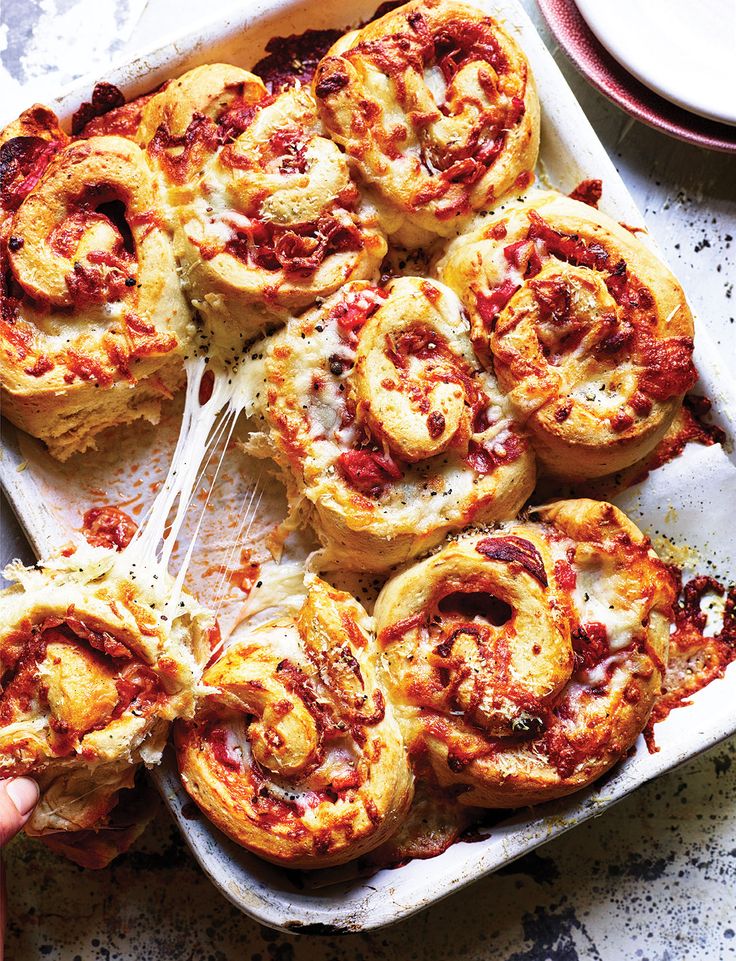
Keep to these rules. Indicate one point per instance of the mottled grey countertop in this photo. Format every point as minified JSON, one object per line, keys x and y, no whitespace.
{"x":652,"y":880}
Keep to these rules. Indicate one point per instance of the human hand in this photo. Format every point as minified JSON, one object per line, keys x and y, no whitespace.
{"x":18,"y":797}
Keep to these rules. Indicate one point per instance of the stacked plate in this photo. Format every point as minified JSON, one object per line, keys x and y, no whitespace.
{"x":669,"y":63}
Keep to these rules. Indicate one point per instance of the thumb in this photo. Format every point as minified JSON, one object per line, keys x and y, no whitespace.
{"x":18,"y":797}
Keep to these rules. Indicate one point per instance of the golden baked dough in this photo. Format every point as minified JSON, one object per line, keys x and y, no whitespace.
{"x":94,"y":665}
{"x":183,"y":124}
{"x":523,"y":661}
{"x":112,"y":834}
{"x":22,"y":163}
{"x":294,"y":752}
{"x":389,"y":431}
{"x":268,"y":218}
{"x":219,"y":92}
{"x":92,"y":318}
{"x":590,"y":334}
{"x":435,"y":105}
{"x":514,"y":665}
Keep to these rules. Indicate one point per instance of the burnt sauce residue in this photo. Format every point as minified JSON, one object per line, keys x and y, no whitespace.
{"x":294,"y":58}
{"x":105,"y":97}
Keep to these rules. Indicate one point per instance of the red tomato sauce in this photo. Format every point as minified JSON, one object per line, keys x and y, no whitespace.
{"x":108,"y":527}
{"x":694,"y":660}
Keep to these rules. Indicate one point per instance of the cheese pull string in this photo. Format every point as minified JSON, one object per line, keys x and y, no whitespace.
{"x":228,"y":424}
{"x":215,"y":439}
{"x":248,"y":509}
{"x":197,"y":423}
{"x":205,"y":434}
{"x":231,"y":396}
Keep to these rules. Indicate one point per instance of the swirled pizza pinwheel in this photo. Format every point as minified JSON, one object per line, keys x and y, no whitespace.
{"x":204,"y":106}
{"x":268,"y":216}
{"x":94,"y":667}
{"x":588,"y":332}
{"x":524,"y":661}
{"x":389,"y":431}
{"x":92,"y":318}
{"x":435,"y":105}
{"x":294,"y":752}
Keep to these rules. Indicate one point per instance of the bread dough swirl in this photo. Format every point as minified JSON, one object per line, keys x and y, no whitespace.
{"x":589,"y":334}
{"x":523,"y":661}
{"x":268,"y":216}
{"x":92,"y":672}
{"x":93,"y":319}
{"x":389,"y":431}
{"x":294,"y":752}
{"x":183,"y":124}
{"x":218,"y":92}
{"x":436,"y":106}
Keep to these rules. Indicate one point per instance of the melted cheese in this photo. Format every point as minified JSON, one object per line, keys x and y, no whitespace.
{"x":282,"y":591}
{"x":431,"y":492}
{"x":597,"y":601}
{"x":203,"y":437}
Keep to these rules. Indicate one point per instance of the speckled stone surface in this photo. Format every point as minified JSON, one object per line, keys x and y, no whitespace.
{"x":654,"y":879}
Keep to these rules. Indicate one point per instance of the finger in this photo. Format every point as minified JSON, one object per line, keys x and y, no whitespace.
{"x":18,"y":797}
{"x":3,"y":907}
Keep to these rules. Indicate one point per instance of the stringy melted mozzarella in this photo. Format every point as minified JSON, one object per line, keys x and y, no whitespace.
{"x":604,"y":392}
{"x":205,"y":430}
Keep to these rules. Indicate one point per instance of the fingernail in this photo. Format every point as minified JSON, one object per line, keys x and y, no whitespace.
{"x":23,"y":792}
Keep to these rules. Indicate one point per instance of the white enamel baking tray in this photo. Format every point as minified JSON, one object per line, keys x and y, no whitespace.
{"x":690,"y":498}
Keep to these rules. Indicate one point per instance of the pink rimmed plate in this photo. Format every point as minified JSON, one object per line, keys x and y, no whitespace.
{"x":609,"y":77}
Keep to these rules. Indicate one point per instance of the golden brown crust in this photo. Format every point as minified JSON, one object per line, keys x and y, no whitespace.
{"x":94,"y":666}
{"x":589,"y":334}
{"x":435,"y":104}
{"x":211,"y":90}
{"x":294,"y":752}
{"x":38,"y":121}
{"x":524,"y":661}
{"x":92,"y":317}
{"x":390,"y":432}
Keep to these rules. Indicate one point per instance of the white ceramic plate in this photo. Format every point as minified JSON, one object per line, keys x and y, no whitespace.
{"x":684,"y":50}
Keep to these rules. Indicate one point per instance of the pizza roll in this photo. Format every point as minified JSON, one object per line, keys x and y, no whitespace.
{"x":524,"y":661}
{"x":113,"y":834}
{"x":268,"y":216}
{"x":389,"y":431}
{"x":294,"y":752}
{"x":94,"y":666}
{"x":217,"y":92}
{"x":34,"y":133}
{"x":435,"y":105}
{"x":589,"y":333}
{"x":91,"y":313}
